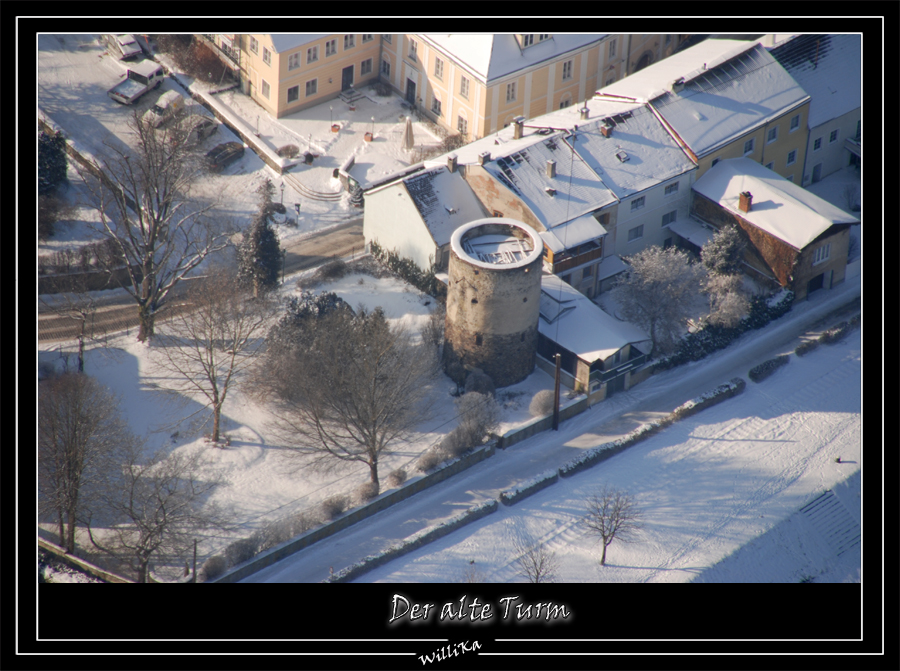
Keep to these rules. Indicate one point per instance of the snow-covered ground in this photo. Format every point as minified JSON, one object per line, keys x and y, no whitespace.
{"x":720,"y":493}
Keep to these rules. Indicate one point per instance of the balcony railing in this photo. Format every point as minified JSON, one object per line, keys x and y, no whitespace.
{"x":232,"y":54}
{"x":565,"y":262}
{"x":601,"y":376}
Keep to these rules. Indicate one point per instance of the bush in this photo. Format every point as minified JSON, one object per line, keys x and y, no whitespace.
{"x":366,"y":492}
{"x":242,"y":550}
{"x":289,"y":151}
{"x":459,"y":441}
{"x":334,"y":506}
{"x":274,"y":533}
{"x":806,"y":347}
{"x":406,"y":269}
{"x":429,"y":461}
{"x":479,"y":382}
{"x":766,"y":368}
{"x":193,"y":57}
{"x":213,"y":567}
{"x":835,"y":334}
{"x":333,"y":270}
{"x":542,"y":403}
{"x":381,"y":89}
{"x":397,"y":478}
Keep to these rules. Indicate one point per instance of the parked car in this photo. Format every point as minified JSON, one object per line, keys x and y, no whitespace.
{"x":139,"y":78}
{"x":169,"y":104}
{"x":199,"y":127}
{"x":122,"y":47}
{"x":224,"y":155}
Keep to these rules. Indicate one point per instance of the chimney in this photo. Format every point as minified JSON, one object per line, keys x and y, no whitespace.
{"x":585,"y":113}
{"x":746,"y":201}
{"x":518,"y":127}
{"x":484,"y":157}
{"x":606,"y":131}
{"x":551,"y":169}
{"x":451,"y":162}
{"x":678,"y":85}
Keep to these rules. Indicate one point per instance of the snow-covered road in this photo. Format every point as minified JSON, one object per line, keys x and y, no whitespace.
{"x":814,"y":402}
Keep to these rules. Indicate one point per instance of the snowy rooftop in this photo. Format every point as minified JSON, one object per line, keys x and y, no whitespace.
{"x":579,"y":231}
{"x":572,"y":320}
{"x":639,"y":154}
{"x":491,"y":56}
{"x":730,"y":88}
{"x":284,"y":42}
{"x":829,"y":68}
{"x":444,"y":200}
{"x":692,"y":230}
{"x":780,"y":207}
{"x":574,"y":191}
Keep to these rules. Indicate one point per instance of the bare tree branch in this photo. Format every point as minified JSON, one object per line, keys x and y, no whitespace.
{"x":612,"y":514}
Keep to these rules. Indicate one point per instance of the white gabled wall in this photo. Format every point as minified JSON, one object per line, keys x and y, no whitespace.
{"x":391,"y":218}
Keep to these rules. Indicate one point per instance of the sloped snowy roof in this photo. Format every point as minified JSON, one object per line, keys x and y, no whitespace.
{"x":726,"y":95}
{"x":283,"y":42}
{"x":573,"y":233}
{"x":572,"y":320}
{"x":692,"y":230}
{"x":578,"y":189}
{"x":491,"y":56}
{"x":829,"y":68}
{"x":444,"y":200}
{"x":639,"y":154}
{"x":779,"y":207}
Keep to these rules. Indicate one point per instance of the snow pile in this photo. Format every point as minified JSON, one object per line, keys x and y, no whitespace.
{"x":529,"y":487}
{"x":414,"y":542}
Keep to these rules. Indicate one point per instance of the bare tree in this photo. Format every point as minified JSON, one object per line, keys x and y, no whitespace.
{"x":144,"y":200}
{"x":612,"y":514}
{"x":79,"y":426}
{"x":207,"y":348}
{"x":472,"y":574}
{"x":534,"y":561}
{"x":655,"y":293}
{"x":349,"y":387}
{"x":154,"y":507}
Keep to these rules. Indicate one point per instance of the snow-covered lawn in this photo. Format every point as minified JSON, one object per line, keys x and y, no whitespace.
{"x":734,"y":475}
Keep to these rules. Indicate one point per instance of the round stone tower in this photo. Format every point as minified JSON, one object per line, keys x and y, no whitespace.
{"x":493,"y":299}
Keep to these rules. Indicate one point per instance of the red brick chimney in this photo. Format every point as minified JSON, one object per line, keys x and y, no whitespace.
{"x":746,"y":201}
{"x":606,"y":131}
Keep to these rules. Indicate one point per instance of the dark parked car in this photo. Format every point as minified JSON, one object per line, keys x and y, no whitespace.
{"x":224,"y":155}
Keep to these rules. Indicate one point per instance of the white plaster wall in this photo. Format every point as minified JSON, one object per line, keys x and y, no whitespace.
{"x":656,"y":204}
{"x":392,"y":219}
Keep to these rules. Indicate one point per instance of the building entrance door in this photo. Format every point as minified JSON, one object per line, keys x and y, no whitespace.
{"x":410,"y":92}
{"x":346,"y":78}
{"x":817,"y":172}
{"x":815,"y":283}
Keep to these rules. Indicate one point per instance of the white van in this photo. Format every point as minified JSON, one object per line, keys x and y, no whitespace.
{"x":122,"y":47}
{"x":169,"y":104}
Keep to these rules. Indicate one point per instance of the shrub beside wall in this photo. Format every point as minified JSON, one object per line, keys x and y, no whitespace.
{"x":526,"y":489}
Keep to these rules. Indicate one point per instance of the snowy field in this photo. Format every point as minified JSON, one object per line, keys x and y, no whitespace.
{"x":720,"y":493}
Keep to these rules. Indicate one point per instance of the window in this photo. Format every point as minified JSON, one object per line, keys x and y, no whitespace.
{"x":312,"y":54}
{"x":439,"y":68}
{"x":636,"y":233}
{"x":527,"y":40}
{"x":462,"y":126}
{"x":795,"y":122}
{"x":464,"y":87}
{"x":254,"y":45}
{"x":545,"y":36}
{"x":567,"y":70}
{"x":436,"y":106}
{"x":478,"y":339}
{"x":672,"y":189}
{"x":587,"y":273}
{"x":386,"y":68}
{"x":367,"y":38}
{"x":637,"y":204}
{"x":792,"y":157}
{"x":565,"y":102}
{"x":330,"y":48}
{"x":772,"y":136}
{"x":610,"y":80}
{"x":748,"y":146}
{"x":312,"y":87}
{"x":266,"y":89}
{"x":349,"y":42}
{"x":612,"y":48}
{"x":294,"y":61}
{"x":833,"y":137}
{"x":817,"y":144}
{"x":413,"y":49}
{"x":511,"y":92}
{"x":771,"y":166}
{"x":388,"y":38}
{"x":499,"y":214}
{"x":822,"y":254}
{"x":669,"y":217}
{"x":715,"y":160}
{"x":365,"y":68}
{"x":293,"y":94}
{"x":267,"y":56}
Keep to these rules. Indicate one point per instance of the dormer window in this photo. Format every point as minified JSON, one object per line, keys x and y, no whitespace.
{"x":527,"y":40}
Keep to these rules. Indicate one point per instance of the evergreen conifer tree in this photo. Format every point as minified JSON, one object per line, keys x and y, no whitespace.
{"x":260,"y":251}
{"x":51,"y":161}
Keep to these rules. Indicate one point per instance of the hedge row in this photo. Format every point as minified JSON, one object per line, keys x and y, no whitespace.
{"x":766,"y":368}
{"x":711,"y":338}
{"x":806,"y":347}
{"x":526,"y":489}
{"x":835,"y":333}
{"x":593,"y":456}
{"x":413,"y":542}
{"x":406,"y":269}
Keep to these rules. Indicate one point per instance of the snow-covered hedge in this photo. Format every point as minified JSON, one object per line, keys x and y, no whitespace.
{"x":529,"y":487}
{"x":835,"y":333}
{"x":695,"y":346}
{"x":413,"y":542}
{"x":806,"y":347}
{"x":766,"y":368}
{"x":602,"y":452}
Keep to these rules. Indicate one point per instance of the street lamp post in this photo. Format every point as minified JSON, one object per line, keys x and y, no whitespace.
{"x":331,"y":111}
{"x":283,"y":255}
{"x":282,"y":193}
